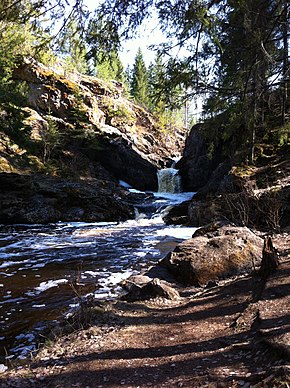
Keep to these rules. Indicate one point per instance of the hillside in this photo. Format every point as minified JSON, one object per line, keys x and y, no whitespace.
{"x":72,"y":133}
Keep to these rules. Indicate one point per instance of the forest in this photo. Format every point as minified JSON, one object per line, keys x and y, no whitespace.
{"x":236,"y":57}
{"x":144,"y":207}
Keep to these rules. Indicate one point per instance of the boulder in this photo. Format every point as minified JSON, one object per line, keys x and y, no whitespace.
{"x":217,"y":254}
{"x":177,"y":215}
{"x":143,"y":288}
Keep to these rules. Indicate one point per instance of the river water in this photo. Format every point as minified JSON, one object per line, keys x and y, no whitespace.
{"x":39,"y":264}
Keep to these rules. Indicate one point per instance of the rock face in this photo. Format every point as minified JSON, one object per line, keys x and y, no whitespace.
{"x":257,"y":197}
{"x":39,"y":199}
{"x":196,"y":166}
{"x":73,"y":112}
{"x":216,"y":254}
{"x":254,"y":196}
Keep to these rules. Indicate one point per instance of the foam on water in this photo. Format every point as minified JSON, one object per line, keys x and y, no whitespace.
{"x":99,"y":254}
{"x":182,"y":233}
{"x":174,"y":198}
{"x":43,"y":286}
{"x":125,"y":184}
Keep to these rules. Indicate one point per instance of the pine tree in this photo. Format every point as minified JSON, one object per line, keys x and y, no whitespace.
{"x":139,"y":86}
{"x":72,"y":48}
{"x":156,"y":86}
{"x":109,"y":66}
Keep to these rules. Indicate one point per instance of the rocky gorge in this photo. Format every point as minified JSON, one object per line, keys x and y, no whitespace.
{"x":203,"y":315}
{"x":83,"y":131}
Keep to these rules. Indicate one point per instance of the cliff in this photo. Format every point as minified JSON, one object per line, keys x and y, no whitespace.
{"x":77,"y":128}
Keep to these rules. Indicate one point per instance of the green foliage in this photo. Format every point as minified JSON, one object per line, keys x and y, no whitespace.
{"x":109,"y":66}
{"x":284,"y":135}
{"x":168,"y":120}
{"x":117,"y":110}
{"x":139,"y":86}
{"x":72,"y":48}
{"x":12,"y":124}
{"x":51,"y":138}
{"x":279,"y":136}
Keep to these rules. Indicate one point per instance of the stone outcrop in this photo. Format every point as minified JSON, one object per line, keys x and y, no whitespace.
{"x":40,"y":199}
{"x":254,"y":196}
{"x":258,"y":197}
{"x":197,"y":165}
{"x":97,"y":119}
{"x":217,"y":253}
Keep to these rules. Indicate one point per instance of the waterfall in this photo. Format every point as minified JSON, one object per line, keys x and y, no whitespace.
{"x":169,"y":181}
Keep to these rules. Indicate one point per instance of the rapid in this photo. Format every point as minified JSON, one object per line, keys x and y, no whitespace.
{"x":41,"y":264}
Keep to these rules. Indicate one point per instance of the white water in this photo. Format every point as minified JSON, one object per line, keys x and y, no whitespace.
{"x":169,"y":181}
{"x":38,"y":263}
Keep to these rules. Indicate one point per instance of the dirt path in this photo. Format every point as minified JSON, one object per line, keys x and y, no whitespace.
{"x":214,"y":338}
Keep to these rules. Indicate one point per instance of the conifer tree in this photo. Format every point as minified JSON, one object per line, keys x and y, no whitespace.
{"x":156,"y":86}
{"x":139,"y":86}
{"x":109,"y":66}
{"x":73,"y":49}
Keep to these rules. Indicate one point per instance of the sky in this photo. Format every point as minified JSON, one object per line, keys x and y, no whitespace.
{"x":148,"y":34}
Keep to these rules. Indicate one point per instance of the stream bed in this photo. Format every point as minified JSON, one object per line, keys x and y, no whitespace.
{"x":40,"y":263}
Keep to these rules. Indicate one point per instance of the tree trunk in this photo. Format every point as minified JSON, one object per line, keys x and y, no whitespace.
{"x":285,"y":29}
{"x":270,"y":260}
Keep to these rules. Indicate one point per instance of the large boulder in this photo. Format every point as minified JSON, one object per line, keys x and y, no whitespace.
{"x":216,"y":254}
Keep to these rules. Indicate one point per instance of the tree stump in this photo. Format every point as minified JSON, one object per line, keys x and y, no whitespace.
{"x":270,"y":259}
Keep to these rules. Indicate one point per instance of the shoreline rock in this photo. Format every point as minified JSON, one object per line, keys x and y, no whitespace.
{"x":217,"y":254}
{"x":37,"y":199}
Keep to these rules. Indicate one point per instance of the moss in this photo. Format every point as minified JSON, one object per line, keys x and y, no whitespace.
{"x":36,"y":164}
{"x":5,"y":166}
{"x":55,"y":78}
{"x":117,"y":110}
{"x":243,"y":171}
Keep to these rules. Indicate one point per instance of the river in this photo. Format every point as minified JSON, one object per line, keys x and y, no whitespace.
{"x":39,"y":264}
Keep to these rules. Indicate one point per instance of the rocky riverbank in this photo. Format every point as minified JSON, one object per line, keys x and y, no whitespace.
{"x":233,"y":332}
{"x":37,"y":199}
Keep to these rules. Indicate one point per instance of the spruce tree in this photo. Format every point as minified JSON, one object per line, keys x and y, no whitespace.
{"x":73,"y":49}
{"x":139,"y":86}
{"x":109,"y":66}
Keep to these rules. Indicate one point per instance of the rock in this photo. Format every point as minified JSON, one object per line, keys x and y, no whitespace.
{"x":146,"y":288}
{"x":209,"y":228}
{"x":135,"y":280}
{"x":218,"y":254}
{"x":39,"y":199}
{"x":196,"y":166}
{"x":127,"y":164}
{"x":97,"y":118}
{"x":258,"y":197}
{"x":204,"y":212}
{"x":177,"y":215}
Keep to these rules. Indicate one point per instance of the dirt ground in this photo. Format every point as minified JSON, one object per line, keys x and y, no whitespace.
{"x":236,"y":334}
